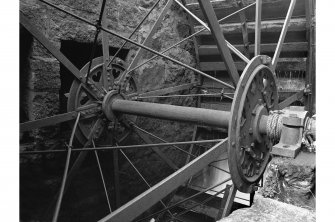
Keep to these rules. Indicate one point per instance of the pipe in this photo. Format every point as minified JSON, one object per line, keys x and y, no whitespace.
{"x":199,"y":116}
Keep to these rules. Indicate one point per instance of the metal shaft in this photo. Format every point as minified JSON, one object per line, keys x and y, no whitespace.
{"x":170,"y":112}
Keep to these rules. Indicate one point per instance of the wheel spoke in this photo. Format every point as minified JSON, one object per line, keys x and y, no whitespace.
{"x":98,"y":25}
{"x":162,"y":140}
{"x":142,"y":177}
{"x":54,"y":51}
{"x":166,"y":90}
{"x":209,"y":14}
{"x":282,"y":36}
{"x":102,"y":176}
{"x":290,"y":100}
{"x":186,"y":199}
{"x":147,"y":140}
{"x":141,"y":45}
{"x":211,"y":165}
{"x":64,"y":117}
{"x":133,"y":32}
{"x":67,"y":163}
{"x":230,"y":46}
{"x":202,"y":203}
{"x":105,"y":50}
{"x":123,"y":147}
{"x":135,"y":207}
{"x":148,"y":39}
{"x":78,"y":162}
{"x":258,"y":27}
{"x":189,"y":37}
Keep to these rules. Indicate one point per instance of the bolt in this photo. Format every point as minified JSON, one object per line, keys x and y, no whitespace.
{"x":252,"y":145}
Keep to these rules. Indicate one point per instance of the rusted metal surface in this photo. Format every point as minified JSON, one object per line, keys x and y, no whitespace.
{"x":170,"y":112}
{"x":248,"y":157}
{"x":255,"y":96}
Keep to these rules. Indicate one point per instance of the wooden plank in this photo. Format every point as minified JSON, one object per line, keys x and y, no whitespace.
{"x":205,"y":50}
{"x":289,"y":64}
{"x":296,"y":24}
{"x":271,"y":9}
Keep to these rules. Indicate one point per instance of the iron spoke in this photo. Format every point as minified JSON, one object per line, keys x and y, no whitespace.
{"x":282,"y":36}
{"x":181,"y":41}
{"x":80,"y":159}
{"x":186,"y":199}
{"x":98,"y":26}
{"x":55,"y":52}
{"x":203,"y":202}
{"x":219,"y":168}
{"x":140,"y":45}
{"x":155,"y":149}
{"x":222,"y":45}
{"x":123,"y":147}
{"x":133,"y":32}
{"x":291,"y":99}
{"x":230,"y":46}
{"x":102,"y":176}
{"x":67,"y":163}
{"x":147,"y":199}
{"x":105,"y":51}
{"x":164,"y":90}
{"x":64,"y":117}
{"x":258,"y":26}
{"x":142,"y":177}
{"x":160,"y":139}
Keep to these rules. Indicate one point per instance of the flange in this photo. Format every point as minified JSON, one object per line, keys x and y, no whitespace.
{"x":255,"y":95}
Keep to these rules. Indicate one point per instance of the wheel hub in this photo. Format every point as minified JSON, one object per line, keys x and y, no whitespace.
{"x":249,"y":151}
{"x":78,"y":97}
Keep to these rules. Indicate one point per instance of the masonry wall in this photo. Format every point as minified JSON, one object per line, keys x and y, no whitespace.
{"x":42,"y":94}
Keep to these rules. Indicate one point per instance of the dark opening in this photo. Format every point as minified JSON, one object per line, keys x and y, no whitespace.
{"x":79,"y":54}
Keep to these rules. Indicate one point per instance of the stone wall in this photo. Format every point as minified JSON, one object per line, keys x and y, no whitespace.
{"x":123,"y":17}
{"x":43,"y":95}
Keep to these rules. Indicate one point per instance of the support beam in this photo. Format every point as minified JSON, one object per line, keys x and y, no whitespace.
{"x":258,"y":27}
{"x":282,"y":36}
{"x":138,"y":205}
{"x":213,"y":23}
{"x":54,"y":51}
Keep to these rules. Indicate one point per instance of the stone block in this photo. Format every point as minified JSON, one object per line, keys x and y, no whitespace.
{"x":266,"y":209}
{"x":291,"y":180}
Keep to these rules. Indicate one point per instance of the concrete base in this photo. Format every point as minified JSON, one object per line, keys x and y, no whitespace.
{"x":288,"y":151}
{"x":266,"y":209}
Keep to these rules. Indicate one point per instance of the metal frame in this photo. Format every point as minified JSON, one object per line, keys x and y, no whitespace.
{"x":134,"y":208}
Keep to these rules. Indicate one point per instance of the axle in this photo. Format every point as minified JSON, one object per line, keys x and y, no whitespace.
{"x":199,"y":116}
{"x":273,"y":125}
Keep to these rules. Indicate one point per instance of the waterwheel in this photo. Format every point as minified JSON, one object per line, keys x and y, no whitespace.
{"x":105,"y":102}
